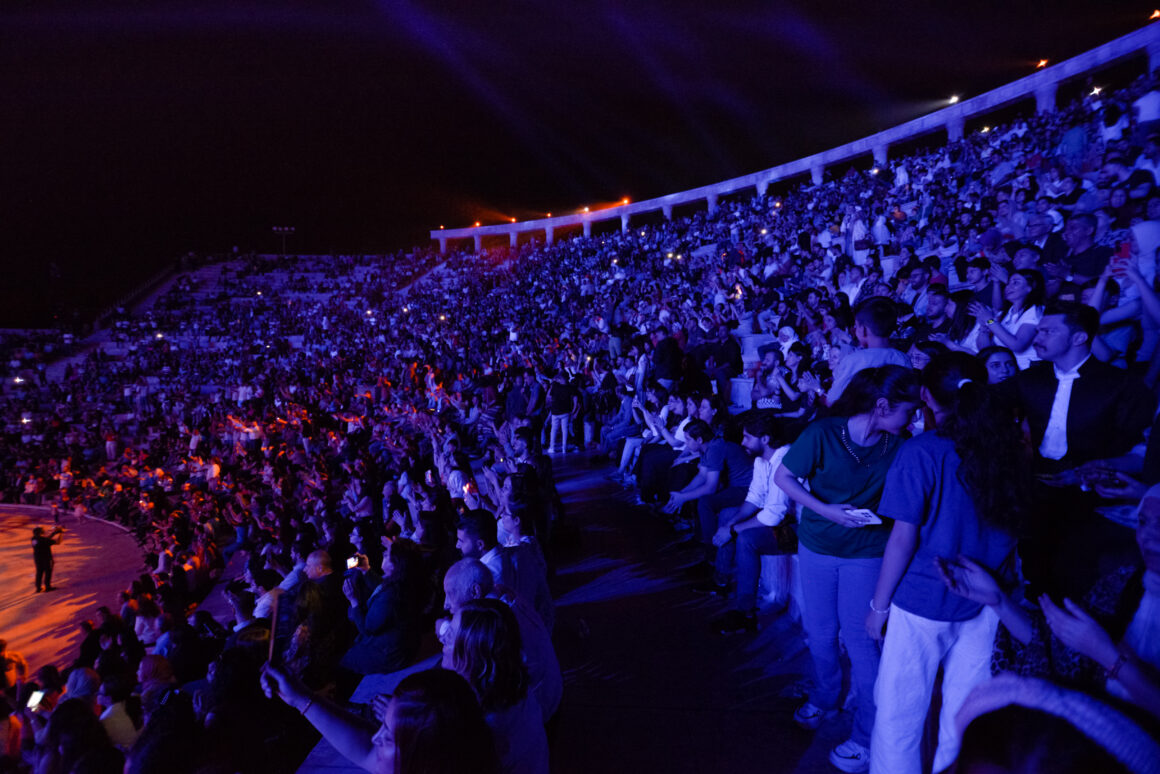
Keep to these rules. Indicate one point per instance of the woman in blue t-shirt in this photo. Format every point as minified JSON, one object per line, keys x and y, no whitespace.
{"x":957,"y":490}
{"x":844,"y":459}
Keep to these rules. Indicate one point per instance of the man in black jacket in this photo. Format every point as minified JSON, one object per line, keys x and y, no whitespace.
{"x":42,"y":555}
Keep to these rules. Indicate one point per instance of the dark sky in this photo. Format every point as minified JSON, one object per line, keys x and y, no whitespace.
{"x":131,"y":132}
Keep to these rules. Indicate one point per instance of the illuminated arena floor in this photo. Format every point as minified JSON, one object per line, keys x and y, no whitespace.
{"x":94,"y":562}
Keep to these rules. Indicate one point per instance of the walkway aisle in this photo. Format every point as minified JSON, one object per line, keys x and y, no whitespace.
{"x":648,"y":686}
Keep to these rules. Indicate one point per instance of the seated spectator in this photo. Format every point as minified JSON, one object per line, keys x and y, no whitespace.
{"x":476,"y":538}
{"x":1000,"y":363}
{"x":1021,"y":724}
{"x":762,"y":526}
{"x":432,"y":723}
{"x":388,"y":621}
{"x":469,"y":579}
{"x":1106,"y":643}
{"x":1015,"y":328}
{"x":524,"y":568}
{"x":483,"y":646}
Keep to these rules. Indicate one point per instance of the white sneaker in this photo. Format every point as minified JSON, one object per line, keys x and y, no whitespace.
{"x":850,"y":756}
{"x":809,"y":716}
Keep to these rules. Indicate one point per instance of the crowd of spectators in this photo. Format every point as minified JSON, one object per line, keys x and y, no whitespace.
{"x":921,"y":378}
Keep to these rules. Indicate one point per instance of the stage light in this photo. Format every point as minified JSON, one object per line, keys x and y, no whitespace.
{"x":1041,"y":65}
{"x":954,"y":99}
{"x":1155,"y":15}
{"x":441,"y":228}
{"x":642,"y":233}
{"x":160,"y":335}
{"x":477,"y":224}
{"x":670,"y":255}
{"x":369,"y":312}
{"x":549,"y":214}
{"x":764,"y":231}
{"x":624,"y":200}
{"x":259,"y":292}
{"x":586,"y":209}
{"x":443,"y":317}
{"x":1096,"y":91}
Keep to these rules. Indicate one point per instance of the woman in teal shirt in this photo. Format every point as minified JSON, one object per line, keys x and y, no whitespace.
{"x":844,"y":459}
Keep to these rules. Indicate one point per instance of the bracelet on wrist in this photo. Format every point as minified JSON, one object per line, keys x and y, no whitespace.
{"x":309,"y":704}
{"x":876,"y":610}
{"x":1114,"y":669}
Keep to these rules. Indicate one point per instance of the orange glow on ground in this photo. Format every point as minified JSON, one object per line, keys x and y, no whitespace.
{"x":94,"y":562}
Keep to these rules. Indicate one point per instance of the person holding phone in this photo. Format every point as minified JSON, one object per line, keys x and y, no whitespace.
{"x":42,"y":555}
{"x":960,"y":488}
{"x":844,"y":459}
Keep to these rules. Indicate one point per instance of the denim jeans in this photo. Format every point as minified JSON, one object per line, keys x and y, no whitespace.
{"x":752,"y":544}
{"x":559,"y":425}
{"x":835,"y":599}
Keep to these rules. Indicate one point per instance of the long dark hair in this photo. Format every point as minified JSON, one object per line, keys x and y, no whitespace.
{"x":439,"y":727}
{"x":897,"y":384}
{"x":994,"y":464}
{"x":488,"y":653}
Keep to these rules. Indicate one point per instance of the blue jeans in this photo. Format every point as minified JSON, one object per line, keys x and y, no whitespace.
{"x":752,"y":544}
{"x":835,"y":598}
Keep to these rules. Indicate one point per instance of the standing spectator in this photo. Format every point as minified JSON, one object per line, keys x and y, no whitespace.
{"x":959,"y":489}
{"x":844,"y":459}
{"x":874,"y":322}
{"x":42,"y":555}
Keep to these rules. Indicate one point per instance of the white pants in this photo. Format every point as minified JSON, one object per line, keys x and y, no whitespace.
{"x":914,"y":649}
{"x":559,"y":424}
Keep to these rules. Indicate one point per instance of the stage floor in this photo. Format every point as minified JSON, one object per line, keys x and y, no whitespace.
{"x":94,"y":562}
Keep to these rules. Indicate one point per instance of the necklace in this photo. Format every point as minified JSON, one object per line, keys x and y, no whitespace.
{"x":844,"y":435}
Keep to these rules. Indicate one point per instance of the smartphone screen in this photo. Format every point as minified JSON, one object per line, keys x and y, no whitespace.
{"x":352,"y":562}
{"x":34,"y":700}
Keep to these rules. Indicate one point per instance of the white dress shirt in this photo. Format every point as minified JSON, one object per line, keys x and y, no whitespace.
{"x":1054,"y":445}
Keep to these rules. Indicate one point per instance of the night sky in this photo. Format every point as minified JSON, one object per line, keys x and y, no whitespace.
{"x":134,"y":131}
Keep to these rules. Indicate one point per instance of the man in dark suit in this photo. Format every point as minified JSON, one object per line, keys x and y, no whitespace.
{"x":1080,"y":410}
{"x":42,"y":555}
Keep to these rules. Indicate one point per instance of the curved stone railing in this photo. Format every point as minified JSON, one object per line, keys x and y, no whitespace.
{"x":1042,"y":84}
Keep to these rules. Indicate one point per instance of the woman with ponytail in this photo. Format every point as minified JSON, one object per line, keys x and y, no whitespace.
{"x":958,"y":489}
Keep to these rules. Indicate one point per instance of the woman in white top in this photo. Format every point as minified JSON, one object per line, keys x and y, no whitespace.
{"x":1015,"y":329}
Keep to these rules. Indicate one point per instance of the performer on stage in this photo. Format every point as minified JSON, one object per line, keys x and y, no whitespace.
{"x":42,"y":555}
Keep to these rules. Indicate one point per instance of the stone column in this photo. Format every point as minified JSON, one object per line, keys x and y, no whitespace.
{"x":816,"y":172}
{"x":587,"y":227}
{"x":711,"y":199}
{"x":879,"y":151}
{"x":1045,"y":98}
{"x":624,"y":223}
{"x":548,"y":234}
{"x":667,"y":211}
{"x":442,"y":244}
{"x":762,"y":187}
{"x":513,"y":238}
{"x":1153,"y":56}
{"x":478,"y":243}
{"x":955,"y":128}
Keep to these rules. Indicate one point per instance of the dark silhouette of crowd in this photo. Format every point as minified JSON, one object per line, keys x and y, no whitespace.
{"x":926,"y":389}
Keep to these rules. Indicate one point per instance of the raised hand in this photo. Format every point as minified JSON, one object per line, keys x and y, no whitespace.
{"x":969,"y":580}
